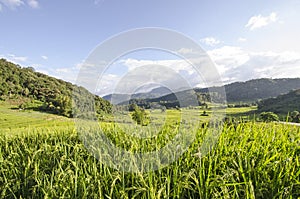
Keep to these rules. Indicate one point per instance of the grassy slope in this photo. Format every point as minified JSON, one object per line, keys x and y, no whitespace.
{"x":15,"y":120}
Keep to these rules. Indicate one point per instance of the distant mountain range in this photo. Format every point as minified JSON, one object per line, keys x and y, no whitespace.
{"x":154,"y":93}
{"x":237,"y":92}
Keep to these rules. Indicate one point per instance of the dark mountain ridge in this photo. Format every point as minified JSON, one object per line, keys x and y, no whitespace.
{"x":238,"y":92}
{"x":281,"y":104}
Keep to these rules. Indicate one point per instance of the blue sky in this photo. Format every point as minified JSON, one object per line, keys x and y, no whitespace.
{"x":245,"y":39}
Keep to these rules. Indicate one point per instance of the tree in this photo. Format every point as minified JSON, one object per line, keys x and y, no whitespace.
{"x":268,"y":116}
{"x":56,"y":95}
{"x":140,"y":116}
{"x":65,"y":106}
{"x":295,"y":117}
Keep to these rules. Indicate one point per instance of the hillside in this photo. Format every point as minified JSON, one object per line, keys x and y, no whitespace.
{"x":55,"y":95}
{"x":257,"y":89}
{"x":282,"y":104}
{"x":237,"y":92}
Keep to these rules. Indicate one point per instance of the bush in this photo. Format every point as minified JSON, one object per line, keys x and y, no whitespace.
{"x":295,"y":117}
{"x":268,"y":116}
{"x":140,"y":116}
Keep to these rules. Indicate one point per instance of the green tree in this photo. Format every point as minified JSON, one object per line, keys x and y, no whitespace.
{"x":140,"y":116}
{"x":268,"y":116}
{"x":63,"y":106}
{"x":295,"y":117}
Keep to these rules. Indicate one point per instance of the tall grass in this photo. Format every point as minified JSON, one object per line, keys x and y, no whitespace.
{"x":252,"y":161}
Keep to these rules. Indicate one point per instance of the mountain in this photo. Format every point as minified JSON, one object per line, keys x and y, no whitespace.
{"x":55,"y":95}
{"x":237,"y":92}
{"x":257,"y":89}
{"x":154,"y":93}
{"x":245,"y":92}
{"x":282,"y":104}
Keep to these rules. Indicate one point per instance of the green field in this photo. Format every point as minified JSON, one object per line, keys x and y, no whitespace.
{"x":41,"y":156}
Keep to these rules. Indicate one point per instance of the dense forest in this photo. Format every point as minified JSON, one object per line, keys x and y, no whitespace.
{"x":55,"y":95}
{"x":282,"y":104}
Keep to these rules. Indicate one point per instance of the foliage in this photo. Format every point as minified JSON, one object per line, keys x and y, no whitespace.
{"x":57,"y":95}
{"x":283,"y":104}
{"x":269,"y":117}
{"x":253,"y":161}
{"x":257,"y":89}
{"x":41,"y":156}
{"x":295,"y":117}
{"x":140,"y":116}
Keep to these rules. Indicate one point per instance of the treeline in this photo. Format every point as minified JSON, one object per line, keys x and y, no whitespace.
{"x":57,"y":96}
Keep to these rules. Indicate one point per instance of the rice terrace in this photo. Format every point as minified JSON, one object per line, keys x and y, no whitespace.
{"x":149,"y":113}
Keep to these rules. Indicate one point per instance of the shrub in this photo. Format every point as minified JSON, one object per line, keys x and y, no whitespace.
{"x":140,"y":116}
{"x":268,"y":116}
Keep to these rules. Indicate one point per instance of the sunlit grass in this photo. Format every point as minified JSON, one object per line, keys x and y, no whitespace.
{"x":250,"y":160}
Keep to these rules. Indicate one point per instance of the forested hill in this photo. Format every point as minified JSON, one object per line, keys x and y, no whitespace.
{"x":282,"y":104}
{"x":257,"y":89}
{"x":56,"y":95}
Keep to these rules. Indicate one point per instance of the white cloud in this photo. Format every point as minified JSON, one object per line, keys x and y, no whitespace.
{"x":12,"y":4}
{"x":233,"y":63}
{"x":259,"y":21}
{"x":241,"y":39}
{"x":44,"y":57}
{"x":67,"y":73}
{"x":107,"y":83}
{"x":237,"y":64}
{"x":228,"y":57}
{"x":182,"y":68}
{"x":185,"y":51}
{"x":16,"y":59}
{"x":63,"y":70}
{"x":33,"y":3}
{"x":210,"y":41}
{"x":175,"y":64}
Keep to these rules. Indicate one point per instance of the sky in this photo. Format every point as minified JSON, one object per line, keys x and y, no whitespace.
{"x":244,"y":39}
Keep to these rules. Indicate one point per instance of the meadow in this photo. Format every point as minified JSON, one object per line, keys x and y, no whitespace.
{"x":42,"y":156}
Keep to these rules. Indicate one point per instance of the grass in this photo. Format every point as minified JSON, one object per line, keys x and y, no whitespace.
{"x":13,"y":120}
{"x":253,"y":160}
